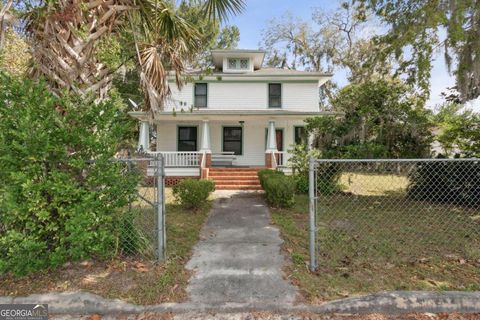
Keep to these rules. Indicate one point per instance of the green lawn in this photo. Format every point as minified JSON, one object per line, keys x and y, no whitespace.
{"x":371,"y":238}
{"x":137,"y":280}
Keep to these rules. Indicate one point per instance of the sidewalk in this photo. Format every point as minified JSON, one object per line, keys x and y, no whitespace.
{"x":238,"y":259}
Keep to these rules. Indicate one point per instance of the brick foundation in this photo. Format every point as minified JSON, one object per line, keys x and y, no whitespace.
{"x":204,"y":173}
{"x":208,"y":159}
{"x":171,"y":181}
{"x":268,"y":160}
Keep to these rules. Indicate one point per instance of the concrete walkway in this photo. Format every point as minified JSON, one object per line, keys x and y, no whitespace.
{"x":238,"y":259}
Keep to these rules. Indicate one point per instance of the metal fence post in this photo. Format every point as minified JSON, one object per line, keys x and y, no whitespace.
{"x":311,"y":211}
{"x":160,"y":207}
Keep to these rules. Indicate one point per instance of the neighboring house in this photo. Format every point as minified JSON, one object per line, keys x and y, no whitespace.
{"x":239,"y":116}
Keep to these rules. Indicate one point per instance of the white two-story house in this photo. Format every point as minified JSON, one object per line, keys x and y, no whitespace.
{"x":239,"y":117}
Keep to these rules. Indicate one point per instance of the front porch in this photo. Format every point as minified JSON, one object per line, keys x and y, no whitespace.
{"x":196,"y":146}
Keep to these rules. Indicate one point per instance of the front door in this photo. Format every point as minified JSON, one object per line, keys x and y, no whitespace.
{"x":279,"y":137}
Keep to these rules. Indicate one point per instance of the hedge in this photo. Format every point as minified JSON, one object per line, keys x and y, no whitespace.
{"x":279,"y":188}
{"x":193,"y":193}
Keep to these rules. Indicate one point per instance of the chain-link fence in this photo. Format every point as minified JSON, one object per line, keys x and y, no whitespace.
{"x":393,"y":211}
{"x":143,"y":224}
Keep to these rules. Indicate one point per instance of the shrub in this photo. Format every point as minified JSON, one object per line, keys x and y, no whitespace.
{"x":328,"y":176}
{"x":298,"y":162}
{"x":265,"y":173}
{"x":280,"y":190}
{"x":455,"y":183}
{"x":301,"y":184}
{"x":192,"y":193}
{"x":55,"y":205}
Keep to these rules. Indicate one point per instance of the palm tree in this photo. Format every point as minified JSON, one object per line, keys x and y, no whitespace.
{"x":64,"y":34}
{"x":4,"y":17}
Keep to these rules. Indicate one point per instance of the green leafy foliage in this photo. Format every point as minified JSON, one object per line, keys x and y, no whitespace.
{"x":211,"y":34}
{"x":328,"y":176}
{"x":416,"y":28}
{"x":381,"y":119}
{"x":301,"y":183}
{"x":458,"y":131}
{"x":446,"y":182}
{"x":299,"y":159}
{"x":60,"y":193}
{"x":265,"y":173}
{"x":299,"y":163}
{"x":279,"y":190}
{"x":193,"y":193}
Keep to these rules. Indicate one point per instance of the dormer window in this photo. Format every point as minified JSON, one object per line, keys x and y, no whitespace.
{"x":243,"y":63}
{"x":238,"y":64}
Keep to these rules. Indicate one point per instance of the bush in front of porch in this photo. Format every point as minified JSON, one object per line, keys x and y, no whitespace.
{"x":279,"y":188}
{"x":193,"y":193}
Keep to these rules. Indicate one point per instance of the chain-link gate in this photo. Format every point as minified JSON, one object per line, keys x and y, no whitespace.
{"x":393,"y":211}
{"x":143,"y":229}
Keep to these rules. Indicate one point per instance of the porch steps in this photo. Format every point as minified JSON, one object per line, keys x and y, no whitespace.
{"x":235,"y":178}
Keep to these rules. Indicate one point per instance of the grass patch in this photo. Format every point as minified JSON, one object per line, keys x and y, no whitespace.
{"x":371,"y":238}
{"x":137,"y":281}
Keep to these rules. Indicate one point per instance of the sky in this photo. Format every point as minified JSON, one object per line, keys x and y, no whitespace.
{"x":259,"y":12}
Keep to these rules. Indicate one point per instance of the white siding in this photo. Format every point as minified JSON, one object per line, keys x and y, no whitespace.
{"x":237,"y":96}
{"x":253,"y":137}
{"x":180,"y":98}
{"x":300,"y":96}
{"x":248,"y":96}
{"x":167,"y":136}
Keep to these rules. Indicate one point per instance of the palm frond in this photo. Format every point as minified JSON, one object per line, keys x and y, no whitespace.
{"x":222,"y":9}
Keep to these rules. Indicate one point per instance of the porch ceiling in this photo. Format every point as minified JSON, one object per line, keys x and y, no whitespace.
{"x":228,"y":115}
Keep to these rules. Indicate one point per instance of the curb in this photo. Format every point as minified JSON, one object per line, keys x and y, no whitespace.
{"x":390,"y":303}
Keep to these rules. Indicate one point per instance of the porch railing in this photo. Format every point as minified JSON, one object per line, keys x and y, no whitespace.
{"x":179,"y":159}
{"x":281,"y":158}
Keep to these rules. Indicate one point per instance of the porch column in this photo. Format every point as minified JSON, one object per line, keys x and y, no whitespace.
{"x":310,"y":140}
{"x":205,"y":143}
{"x":205,"y":146}
{"x":271,"y":137}
{"x":271,"y":144}
{"x":144,"y":136}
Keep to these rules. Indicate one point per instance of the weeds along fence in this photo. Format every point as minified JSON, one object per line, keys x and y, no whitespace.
{"x":393,"y":211}
{"x":143,"y":226}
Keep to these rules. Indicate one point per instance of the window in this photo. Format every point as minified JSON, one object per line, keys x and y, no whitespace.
{"x":243,"y":63}
{"x":187,"y":138}
{"x":200,"y":95}
{"x":232,"y":140}
{"x":300,"y":135}
{"x":232,"y":63}
{"x":274,"y":95}
{"x":238,"y":64}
